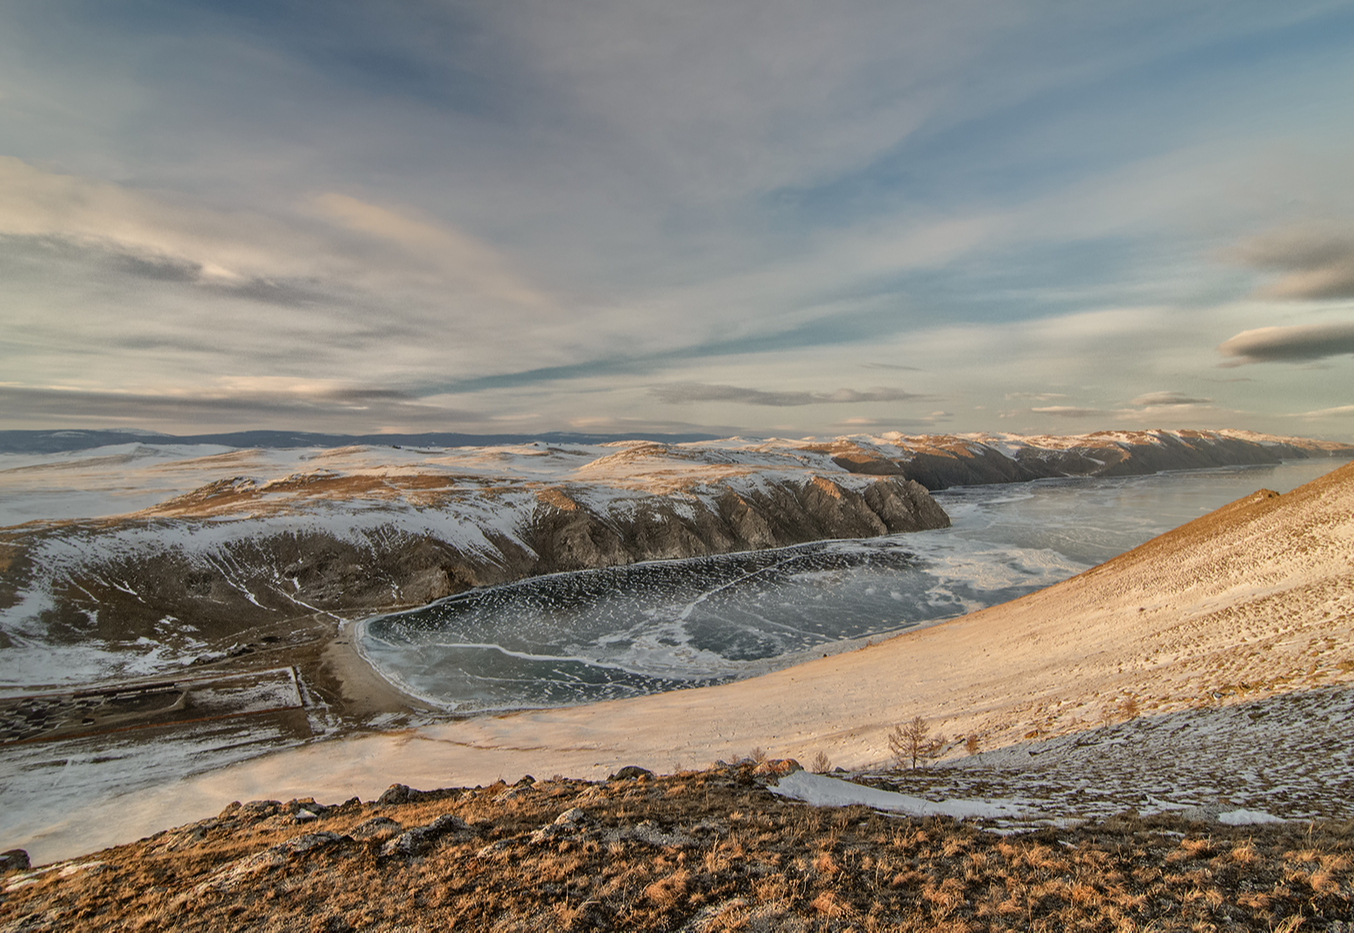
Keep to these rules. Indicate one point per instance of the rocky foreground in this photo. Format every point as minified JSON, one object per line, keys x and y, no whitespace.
{"x":693,"y":851}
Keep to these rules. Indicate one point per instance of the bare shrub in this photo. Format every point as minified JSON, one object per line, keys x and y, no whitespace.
{"x":821,"y":763}
{"x":913,"y":742}
{"x":758,"y":754}
{"x":971,"y":744}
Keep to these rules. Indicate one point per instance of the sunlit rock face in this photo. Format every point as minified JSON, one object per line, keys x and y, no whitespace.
{"x":567,"y":535}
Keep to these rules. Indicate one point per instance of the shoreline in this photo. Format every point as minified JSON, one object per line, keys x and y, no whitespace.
{"x":363,"y":691}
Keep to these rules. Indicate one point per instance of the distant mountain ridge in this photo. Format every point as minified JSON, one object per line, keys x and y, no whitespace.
{"x":47,"y":442}
{"x":937,"y":461}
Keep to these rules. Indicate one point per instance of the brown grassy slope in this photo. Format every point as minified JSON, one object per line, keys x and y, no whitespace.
{"x":699,"y":851}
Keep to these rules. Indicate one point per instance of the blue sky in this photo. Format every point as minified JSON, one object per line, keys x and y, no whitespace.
{"x":762,"y":218}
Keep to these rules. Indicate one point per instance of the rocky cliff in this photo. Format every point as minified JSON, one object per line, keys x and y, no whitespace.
{"x":229,"y":566}
{"x":941,"y":461}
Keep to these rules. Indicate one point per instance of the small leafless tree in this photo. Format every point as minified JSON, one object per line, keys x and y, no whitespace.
{"x":821,"y":763}
{"x":971,"y":744}
{"x":913,"y":742}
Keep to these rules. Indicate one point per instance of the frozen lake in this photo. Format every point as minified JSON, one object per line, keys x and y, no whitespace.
{"x":603,"y":634}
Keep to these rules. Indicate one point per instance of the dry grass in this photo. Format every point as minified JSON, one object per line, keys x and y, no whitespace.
{"x":698,"y":851}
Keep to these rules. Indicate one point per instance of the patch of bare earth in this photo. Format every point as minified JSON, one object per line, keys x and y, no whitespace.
{"x":698,"y":851}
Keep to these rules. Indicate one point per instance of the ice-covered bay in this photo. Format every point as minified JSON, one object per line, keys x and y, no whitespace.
{"x":593,"y":635}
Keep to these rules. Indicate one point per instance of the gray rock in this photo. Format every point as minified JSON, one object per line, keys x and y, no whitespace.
{"x":571,"y":817}
{"x":14,"y":860}
{"x":650,"y":833}
{"x":494,"y":849}
{"x":256,"y":810}
{"x":568,"y":822}
{"x":397,"y":793}
{"x":295,"y":846}
{"x":271,"y":857}
{"x":449,"y":823}
{"x":305,"y":803}
{"x":411,"y":841}
{"x":1204,"y":813}
{"x":376,"y":827}
{"x":631,"y":773}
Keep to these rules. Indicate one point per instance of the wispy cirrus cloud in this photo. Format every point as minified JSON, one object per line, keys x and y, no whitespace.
{"x":1035,"y":396}
{"x":1150,"y":404}
{"x":537,"y":211}
{"x":928,"y":422}
{"x":336,"y":245}
{"x":1337,"y":411}
{"x":682,"y":393}
{"x":472,"y":263}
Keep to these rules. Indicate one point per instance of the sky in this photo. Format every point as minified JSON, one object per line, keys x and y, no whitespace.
{"x":606,"y":216}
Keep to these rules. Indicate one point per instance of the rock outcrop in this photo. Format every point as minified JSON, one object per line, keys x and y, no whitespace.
{"x":119,"y":580}
{"x":942,"y":461}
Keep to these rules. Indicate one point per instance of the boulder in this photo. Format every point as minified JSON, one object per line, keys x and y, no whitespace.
{"x":397,"y":793}
{"x":13,"y":860}
{"x":631,"y":773}
{"x":411,"y":841}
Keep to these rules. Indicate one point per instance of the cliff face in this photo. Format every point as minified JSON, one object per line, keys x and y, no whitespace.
{"x":565,"y":534}
{"x":941,"y":461}
{"x":229,"y":578}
